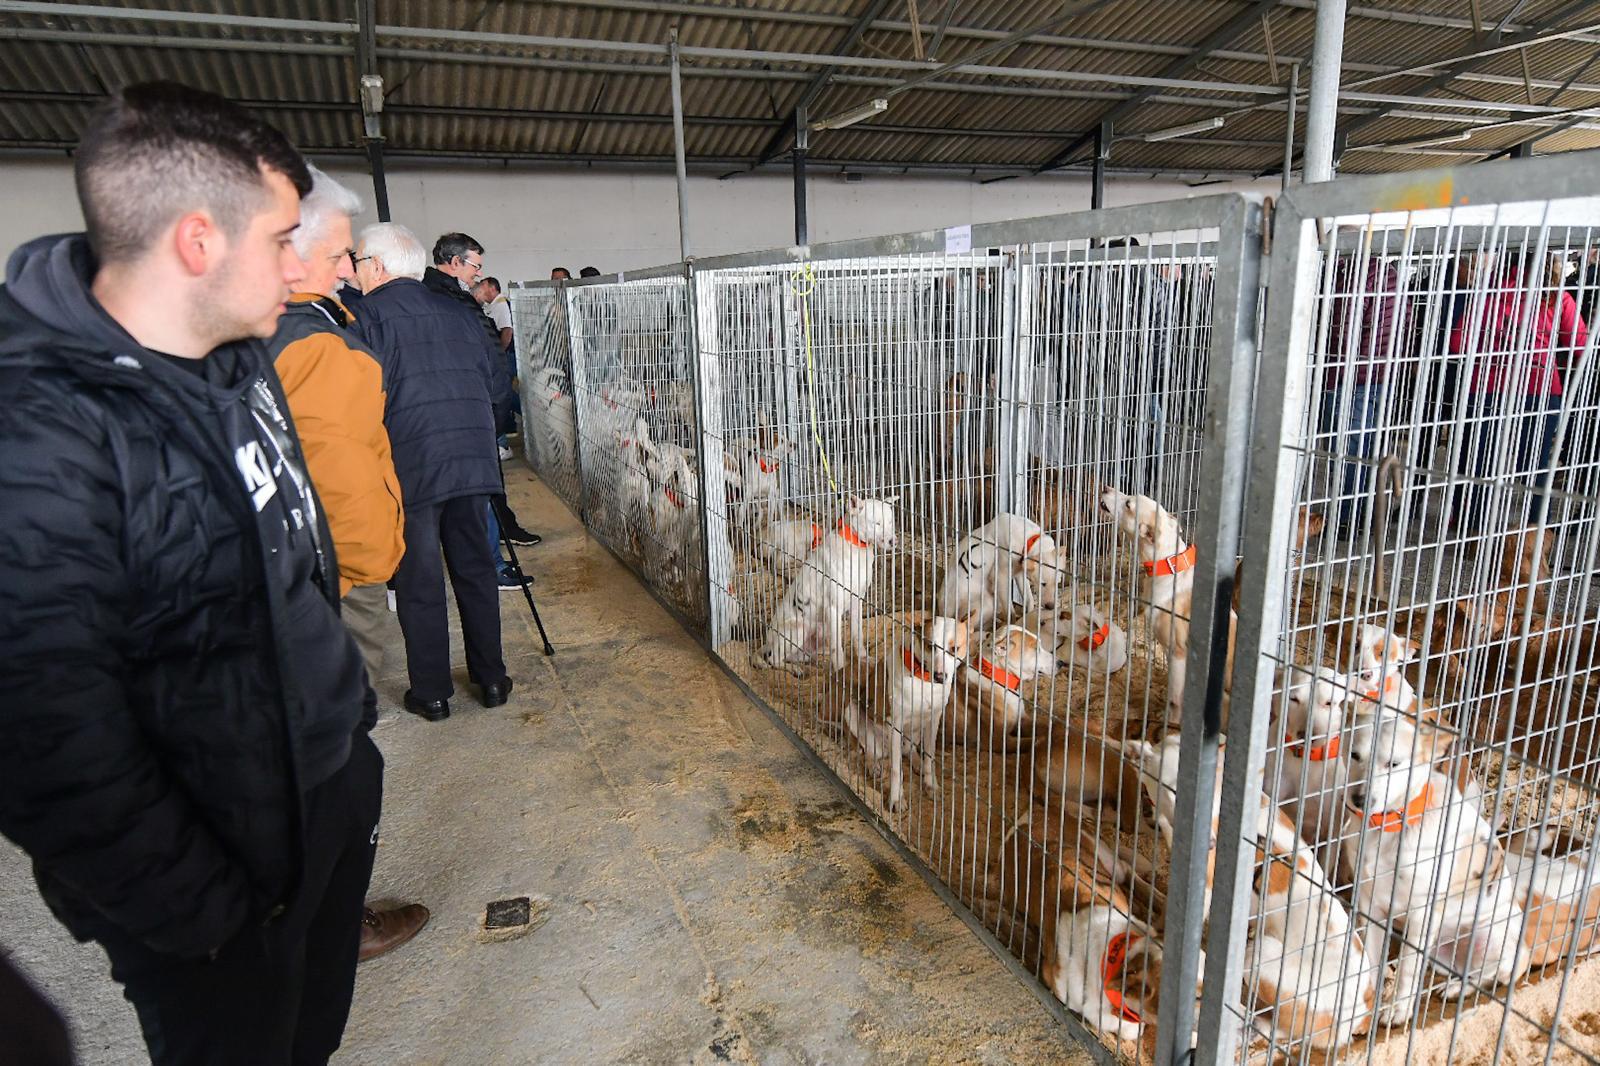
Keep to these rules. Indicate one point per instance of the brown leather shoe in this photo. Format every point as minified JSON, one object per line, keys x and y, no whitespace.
{"x":385,"y":931}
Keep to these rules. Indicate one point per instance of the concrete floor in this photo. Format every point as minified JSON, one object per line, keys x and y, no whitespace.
{"x":705,"y":894}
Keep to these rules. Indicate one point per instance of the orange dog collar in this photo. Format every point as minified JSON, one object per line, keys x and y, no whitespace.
{"x":1111,"y":964}
{"x":1394,"y":821}
{"x":816,"y":535}
{"x":766,"y":467}
{"x":1172,"y":564}
{"x":918,"y":671}
{"x":1320,"y":753}
{"x":999,"y":675}
{"x":1391,"y":685}
{"x":850,"y":536}
{"x":1095,"y":639}
{"x":672,"y":497}
{"x":1028,"y":547}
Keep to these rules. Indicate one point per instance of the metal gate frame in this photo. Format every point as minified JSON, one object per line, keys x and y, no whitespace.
{"x":1281,"y":394}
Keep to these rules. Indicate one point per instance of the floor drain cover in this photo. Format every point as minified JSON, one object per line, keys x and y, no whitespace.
{"x":508,"y":913}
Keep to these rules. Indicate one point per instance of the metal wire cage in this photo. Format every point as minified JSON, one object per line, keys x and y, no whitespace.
{"x":544,"y":387}
{"x":1417,"y":625}
{"x":1021,"y":529}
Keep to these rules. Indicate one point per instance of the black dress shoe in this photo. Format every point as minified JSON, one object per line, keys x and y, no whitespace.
{"x":495,"y":695}
{"x":432,"y":710}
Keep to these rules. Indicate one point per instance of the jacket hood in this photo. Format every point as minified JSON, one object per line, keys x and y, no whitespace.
{"x":61,"y":324}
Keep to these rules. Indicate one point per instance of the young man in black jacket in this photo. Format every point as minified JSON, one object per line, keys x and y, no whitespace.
{"x":457,"y":266}
{"x":186,"y":754}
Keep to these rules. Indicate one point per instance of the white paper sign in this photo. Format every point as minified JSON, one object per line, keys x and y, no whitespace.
{"x":958,"y":240}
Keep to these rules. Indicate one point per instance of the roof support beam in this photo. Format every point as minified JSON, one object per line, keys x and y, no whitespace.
{"x":1448,"y":70}
{"x":1214,"y":40}
{"x":659,"y":67}
{"x":775,"y":144}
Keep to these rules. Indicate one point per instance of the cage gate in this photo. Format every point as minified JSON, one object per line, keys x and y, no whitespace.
{"x":1417,"y":758}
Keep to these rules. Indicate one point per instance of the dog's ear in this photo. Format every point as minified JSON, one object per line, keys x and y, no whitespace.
{"x":1147,"y":530}
{"x":852,"y":503}
{"x":1433,"y":737}
{"x":890,"y":499}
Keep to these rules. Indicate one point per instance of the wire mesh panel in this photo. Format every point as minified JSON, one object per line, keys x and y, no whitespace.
{"x":1417,"y":626}
{"x":965,"y":546}
{"x":544,"y":387}
{"x":638,"y":433}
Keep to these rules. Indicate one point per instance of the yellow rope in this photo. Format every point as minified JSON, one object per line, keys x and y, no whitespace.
{"x":804,"y":281}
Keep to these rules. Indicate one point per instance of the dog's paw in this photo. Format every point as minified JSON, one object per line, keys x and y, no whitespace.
{"x":1455,"y":989}
{"x":1396,"y":1013}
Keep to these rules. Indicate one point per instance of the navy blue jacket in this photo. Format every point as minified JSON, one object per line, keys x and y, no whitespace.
{"x":439,"y":377}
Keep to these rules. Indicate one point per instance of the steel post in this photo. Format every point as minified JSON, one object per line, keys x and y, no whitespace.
{"x":802,"y":144}
{"x":1322,"y":101}
{"x":677,"y":145}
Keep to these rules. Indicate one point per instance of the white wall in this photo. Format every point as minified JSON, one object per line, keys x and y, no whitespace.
{"x":532,"y":220}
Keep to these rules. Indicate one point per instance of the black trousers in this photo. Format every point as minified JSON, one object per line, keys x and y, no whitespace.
{"x":461,"y":527}
{"x":277,"y":994}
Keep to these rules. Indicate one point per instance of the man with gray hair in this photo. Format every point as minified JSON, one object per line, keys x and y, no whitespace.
{"x":440,"y":373}
{"x":334,"y":385}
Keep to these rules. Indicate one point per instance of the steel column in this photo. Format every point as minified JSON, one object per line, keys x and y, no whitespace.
{"x":677,"y":146}
{"x":802,"y":144}
{"x":1323,"y":99}
{"x":1097,"y":181}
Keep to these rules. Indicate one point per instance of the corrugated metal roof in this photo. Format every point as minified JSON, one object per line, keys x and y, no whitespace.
{"x":477,"y":88}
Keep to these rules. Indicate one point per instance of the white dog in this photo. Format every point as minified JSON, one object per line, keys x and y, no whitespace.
{"x":1166,"y":563}
{"x":1426,"y":861}
{"x":757,"y":465}
{"x":977,"y":583}
{"x":833,"y":583}
{"x":1313,"y":771}
{"x":894,"y":711}
{"x":1086,"y":637}
{"x":992,"y":693}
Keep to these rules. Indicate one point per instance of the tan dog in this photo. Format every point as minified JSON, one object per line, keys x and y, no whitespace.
{"x":1081,"y":767}
{"x":993,"y":689}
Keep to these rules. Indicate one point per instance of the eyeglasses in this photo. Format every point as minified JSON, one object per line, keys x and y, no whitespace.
{"x":357,"y":260}
{"x":474,"y":265}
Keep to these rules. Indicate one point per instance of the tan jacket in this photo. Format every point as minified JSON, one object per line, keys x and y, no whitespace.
{"x":335,"y":390}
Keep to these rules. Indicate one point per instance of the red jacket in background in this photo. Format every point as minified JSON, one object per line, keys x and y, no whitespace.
{"x":1516,"y":349}
{"x":1362,"y":317}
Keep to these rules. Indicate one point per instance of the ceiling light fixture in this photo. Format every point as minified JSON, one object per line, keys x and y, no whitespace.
{"x":1205,"y":125}
{"x":870,"y":109}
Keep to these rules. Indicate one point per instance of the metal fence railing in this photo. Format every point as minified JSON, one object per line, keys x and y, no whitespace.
{"x":962,"y":510}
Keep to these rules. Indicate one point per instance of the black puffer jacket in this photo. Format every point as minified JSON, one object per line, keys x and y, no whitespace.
{"x":173,"y":672}
{"x":439,"y":376}
{"x":436,"y":280}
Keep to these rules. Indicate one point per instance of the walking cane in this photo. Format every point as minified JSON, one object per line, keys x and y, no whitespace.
{"x":516,"y":568}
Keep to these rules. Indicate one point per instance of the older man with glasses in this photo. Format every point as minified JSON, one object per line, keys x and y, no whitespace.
{"x":440,"y":371}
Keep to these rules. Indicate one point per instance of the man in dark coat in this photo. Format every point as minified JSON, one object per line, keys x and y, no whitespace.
{"x":186,"y":755}
{"x":457,"y":266}
{"x":439,"y":373}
